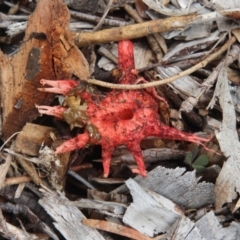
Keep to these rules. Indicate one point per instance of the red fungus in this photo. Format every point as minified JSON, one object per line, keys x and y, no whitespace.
{"x":122,"y":117}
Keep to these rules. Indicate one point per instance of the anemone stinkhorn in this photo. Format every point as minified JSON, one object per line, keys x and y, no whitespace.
{"x":121,"y":117}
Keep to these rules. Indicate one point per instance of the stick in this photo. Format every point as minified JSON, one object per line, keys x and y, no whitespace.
{"x":142,"y":29}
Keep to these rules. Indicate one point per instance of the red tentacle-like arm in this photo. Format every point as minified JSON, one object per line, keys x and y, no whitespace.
{"x":120,"y":118}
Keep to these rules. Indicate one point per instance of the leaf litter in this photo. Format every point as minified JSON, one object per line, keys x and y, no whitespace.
{"x":191,"y":60}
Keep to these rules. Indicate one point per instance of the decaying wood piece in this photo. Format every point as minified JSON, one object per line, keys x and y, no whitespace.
{"x":67,"y":219}
{"x":13,"y":232}
{"x":210,"y":228}
{"x":179,"y":186}
{"x":106,"y":207}
{"x":28,"y":198}
{"x":51,"y":56}
{"x":147,"y":215}
{"x":151,"y":216}
{"x":185,"y":86}
{"x":207,"y":227}
{"x":55,"y":165}
{"x":183,"y":229}
{"x":152,"y":155}
{"x":31,"y":138}
{"x":24,"y":211}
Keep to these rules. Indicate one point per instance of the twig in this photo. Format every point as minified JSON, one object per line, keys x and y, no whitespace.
{"x":1,"y":148}
{"x":82,"y":180}
{"x":132,"y":31}
{"x":5,"y":17}
{"x":95,"y":19}
{"x":30,"y":170}
{"x":27,"y":166}
{"x":33,"y":160}
{"x":16,"y":180}
{"x":142,"y":29}
{"x":99,"y":25}
{"x":5,"y":232}
{"x":5,"y":167}
{"x":202,"y":64}
{"x":106,"y":53}
{"x":21,"y":8}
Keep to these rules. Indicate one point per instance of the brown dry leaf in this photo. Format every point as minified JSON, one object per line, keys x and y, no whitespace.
{"x":236,"y":33}
{"x":48,"y":51}
{"x":4,"y":169}
{"x":231,"y":13}
{"x":233,"y":76}
{"x":141,"y":8}
{"x":115,"y":228}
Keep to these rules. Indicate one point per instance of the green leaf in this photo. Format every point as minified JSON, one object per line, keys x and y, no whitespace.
{"x":198,"y":168}
{"x":188,"y":158}
{"x":201,"y":160}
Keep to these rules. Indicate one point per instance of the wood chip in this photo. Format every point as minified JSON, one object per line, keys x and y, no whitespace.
{"x":151,"y":216}
{"x":31,"y":138}
{"x":67,"y":219}
{"x":179,"y":186}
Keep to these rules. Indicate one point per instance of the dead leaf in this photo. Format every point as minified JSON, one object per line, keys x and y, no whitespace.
{"x":115,"y":228}
{"x":53,"y":56}
{"x":228,"y":182}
